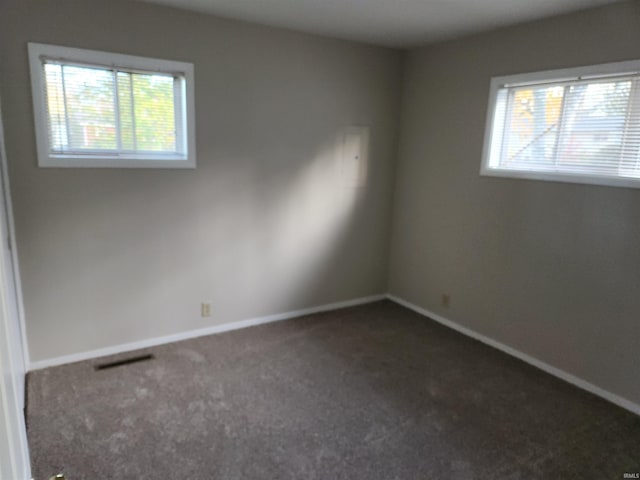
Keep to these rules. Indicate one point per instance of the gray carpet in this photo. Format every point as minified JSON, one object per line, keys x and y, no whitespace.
{"x":374,"y":392}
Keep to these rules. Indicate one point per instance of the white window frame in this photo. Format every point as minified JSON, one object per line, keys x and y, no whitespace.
{"x":186,"y":158}
{"x":493,"y":131}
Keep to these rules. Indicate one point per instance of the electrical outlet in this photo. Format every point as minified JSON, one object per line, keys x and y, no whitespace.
{"x":205,"y":309}
{"x":446,"y":300}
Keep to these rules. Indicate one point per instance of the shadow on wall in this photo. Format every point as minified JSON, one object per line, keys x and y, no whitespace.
{"x":139,"y":250}
{"x":312,"y":219}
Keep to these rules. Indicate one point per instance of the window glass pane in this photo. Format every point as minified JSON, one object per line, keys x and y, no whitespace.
{"x":55,"y":105}
{"x":594,"y":125}
{"x":127,"y":122}
{"x":154,"y":112}
{"x":108,"y":110}
{"x":582,"y":127}
{"x":532,"y":128}
{"x":83,"y":109}
{"x":90,"y":106}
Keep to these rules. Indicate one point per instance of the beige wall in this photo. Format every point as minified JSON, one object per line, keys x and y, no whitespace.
{"x":550,"y":269}
{"x":264,"y":225}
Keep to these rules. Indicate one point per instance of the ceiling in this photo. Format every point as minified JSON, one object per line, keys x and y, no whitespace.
{"x":396,"y":23}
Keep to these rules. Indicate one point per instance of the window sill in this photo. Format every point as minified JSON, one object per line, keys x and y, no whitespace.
{"x":629,"y":182}
{"x":105,"y":161}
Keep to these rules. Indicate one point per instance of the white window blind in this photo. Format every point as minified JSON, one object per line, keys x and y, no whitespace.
{"x":100,"y":110}
{"x":579,"y":128}
{"x":116,"y":110}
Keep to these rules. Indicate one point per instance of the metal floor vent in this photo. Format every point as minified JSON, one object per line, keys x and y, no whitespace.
{"x":126,"y":361}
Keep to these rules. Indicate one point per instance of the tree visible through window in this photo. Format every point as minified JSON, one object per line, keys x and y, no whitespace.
{"x":115,"y":107}
{"x":580,"y":125}
{"x":98,"y":109}
{"x":571,"y":127}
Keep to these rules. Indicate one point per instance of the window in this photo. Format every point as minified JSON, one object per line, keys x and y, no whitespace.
{"x":98,"y":109}
{"x":579,"y":125}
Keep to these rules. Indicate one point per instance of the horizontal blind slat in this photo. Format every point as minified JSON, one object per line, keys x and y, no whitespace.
{"x":587,"y":127}
{"x":86,"y":115}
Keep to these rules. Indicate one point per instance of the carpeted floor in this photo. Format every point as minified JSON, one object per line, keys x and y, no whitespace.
{"x":375,"y":392}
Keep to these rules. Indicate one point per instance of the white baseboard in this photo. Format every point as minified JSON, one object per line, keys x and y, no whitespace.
{"x":224,"y":327}
{"x":556,"y":372}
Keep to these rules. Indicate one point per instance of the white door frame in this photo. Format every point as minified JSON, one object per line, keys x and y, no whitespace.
{"x":14,"y":450}
{"x":10,"y":235}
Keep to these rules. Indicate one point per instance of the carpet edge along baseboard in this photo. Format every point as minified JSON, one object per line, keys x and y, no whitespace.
{"x":550,"y":369}
{"x":188,"y":334}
